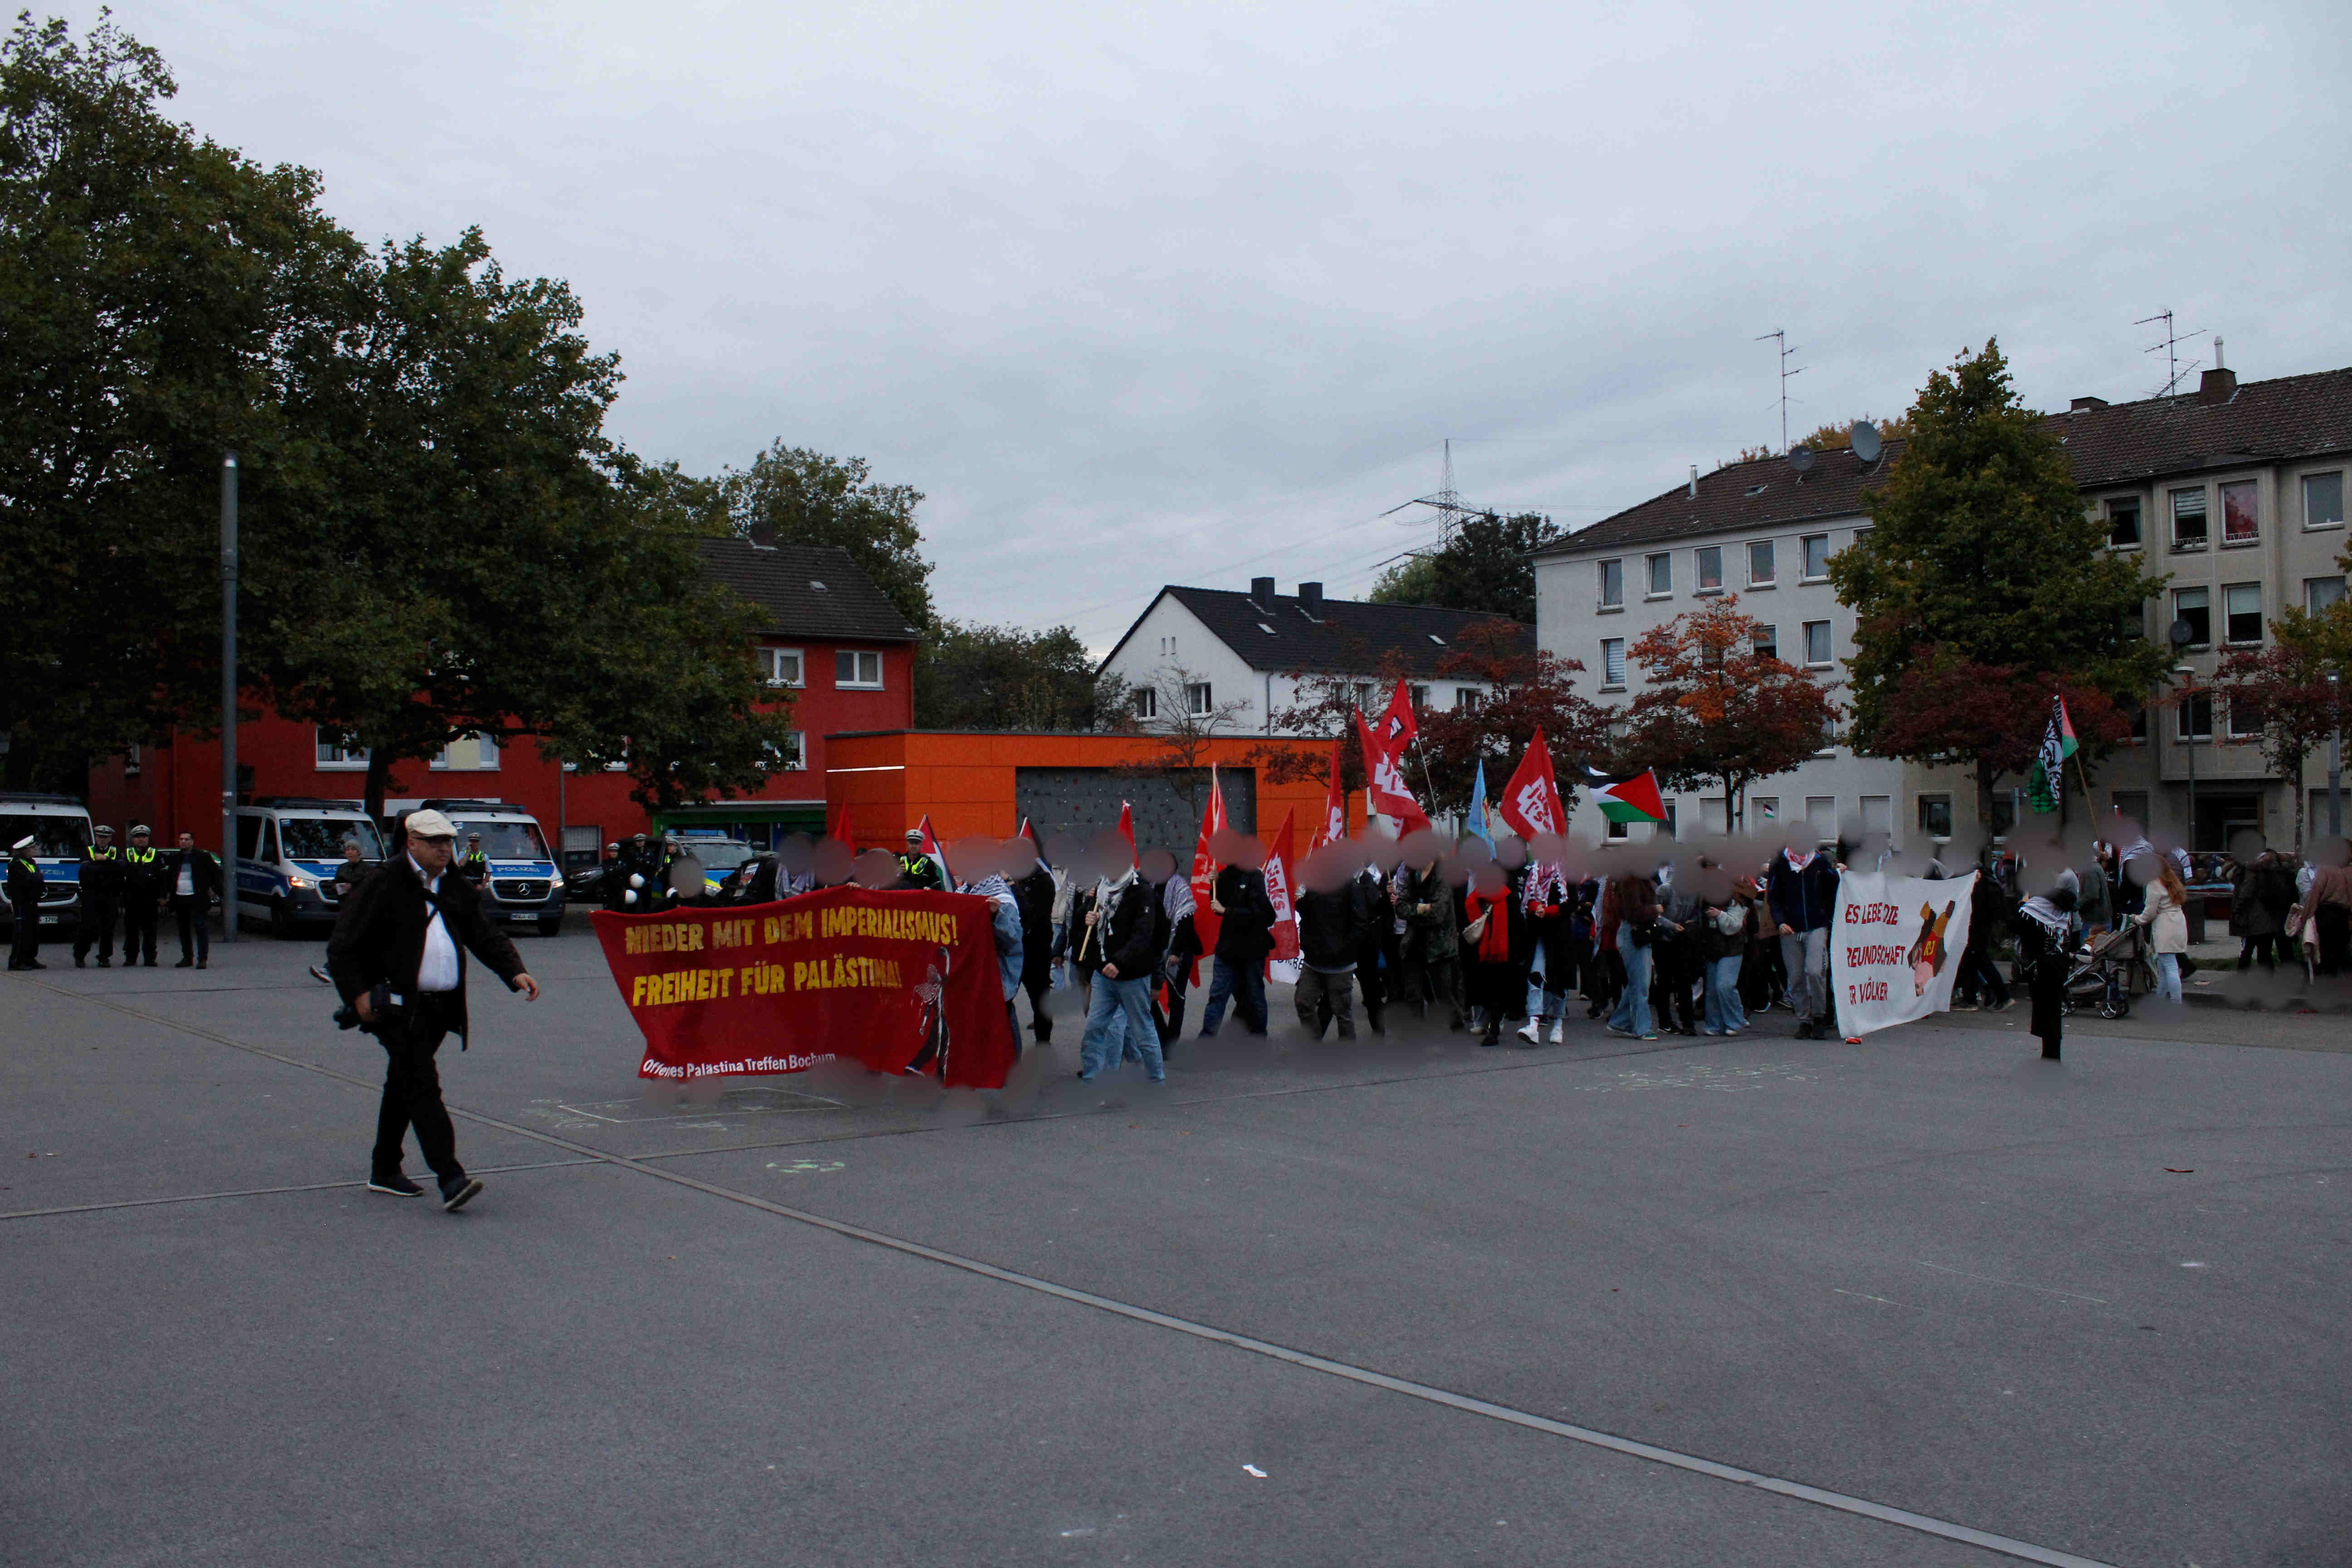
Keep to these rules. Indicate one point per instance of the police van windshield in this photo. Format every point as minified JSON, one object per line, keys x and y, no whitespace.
{"x":717,"y":854}
{"x":504,"y":838}
{"x":54,"y":836}
{"x":321,"y":837}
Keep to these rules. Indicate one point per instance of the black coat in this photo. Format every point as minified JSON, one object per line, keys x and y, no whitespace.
{"x":1331,"y":926}
{"x":1127,"y":936}
{"x":206,"y":880}
{"x":146,"y":882}
{"x":101,"y":873}
{"x":25,"y":883}
{"x":1033,"y":895}
{"x":1247,"y":935}
{"x":379,"y":935}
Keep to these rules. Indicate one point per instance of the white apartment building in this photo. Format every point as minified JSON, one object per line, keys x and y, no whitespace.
{"x":2236,"y":491}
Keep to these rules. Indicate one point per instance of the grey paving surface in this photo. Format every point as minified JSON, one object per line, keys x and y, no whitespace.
{"x":2095,"y":1307}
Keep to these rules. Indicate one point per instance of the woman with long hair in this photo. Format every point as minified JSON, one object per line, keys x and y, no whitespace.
{"x":2165,"y":916}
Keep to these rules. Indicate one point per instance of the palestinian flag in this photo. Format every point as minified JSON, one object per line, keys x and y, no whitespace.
{"x":1627,"y":797}
{"x":2050,"y":765}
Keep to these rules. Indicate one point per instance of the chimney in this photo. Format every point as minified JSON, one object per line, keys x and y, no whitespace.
{"x":1262,"y":593}
{"x":1310,"y":600}
{"x":2217,"y":386}
{"x":2217,"y":351}
{"x":2084,"y":404}
{"x":1693,"y":482}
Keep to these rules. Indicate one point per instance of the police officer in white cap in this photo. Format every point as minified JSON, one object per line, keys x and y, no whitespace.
{"x":398,"y":958}
{"x":25,"y":887}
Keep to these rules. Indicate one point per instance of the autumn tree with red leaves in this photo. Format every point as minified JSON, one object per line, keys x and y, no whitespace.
{"x":1712,"y":709}
{"x":1944,"y":709}
{"x":2285,"y":690}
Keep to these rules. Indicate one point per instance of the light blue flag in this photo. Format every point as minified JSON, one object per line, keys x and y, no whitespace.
{"x":1478,"y":829}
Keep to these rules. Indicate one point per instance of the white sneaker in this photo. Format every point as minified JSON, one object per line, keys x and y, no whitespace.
{"x":1533,"y":1032}
{"x":1558,"y":1028}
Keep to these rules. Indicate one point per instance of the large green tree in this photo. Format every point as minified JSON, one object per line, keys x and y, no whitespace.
{"x":151,"y":282}
{"x":1982,"y":553}
{"x":1483,"y":564}
{"x":790,"y":495}
{"x":970,"y":676}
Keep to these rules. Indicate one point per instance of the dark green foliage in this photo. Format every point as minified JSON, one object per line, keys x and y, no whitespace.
{"x":975,"y":677}
{"x":1482,"y":565}
{"x":793,"y":496}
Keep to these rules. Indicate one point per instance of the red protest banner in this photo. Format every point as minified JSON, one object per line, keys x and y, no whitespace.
{"x":1531,"y":800}
{"x":902,"y":982}
{"x":1279,"y":866}
{"x":1385,"y":790}
{"x":1206,"y":921}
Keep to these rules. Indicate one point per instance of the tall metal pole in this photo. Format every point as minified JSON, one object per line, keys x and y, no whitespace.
{"x":2335,"y":763}
{"x":229,"y":696}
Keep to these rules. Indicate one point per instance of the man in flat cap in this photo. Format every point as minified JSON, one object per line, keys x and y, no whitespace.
{"x":398,"y":959}
{"x":25,"y":887}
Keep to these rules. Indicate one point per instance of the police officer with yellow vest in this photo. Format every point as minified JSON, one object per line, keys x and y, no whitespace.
{"x":473,"y":865}
{"x":145,"y":881}
{"x":918,"y":870}
{"x":25,"y":887}
{"x":102,"y":897}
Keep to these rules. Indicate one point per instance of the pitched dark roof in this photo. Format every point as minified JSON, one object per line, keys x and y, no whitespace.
{"x":811,"y":591}
{"x":1348,"y":634}
{"x":2122,"y":443}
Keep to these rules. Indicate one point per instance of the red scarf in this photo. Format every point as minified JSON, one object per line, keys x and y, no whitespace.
{"x":1495,"y":943}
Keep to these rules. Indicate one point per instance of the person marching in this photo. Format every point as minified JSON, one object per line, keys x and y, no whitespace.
{"x":194,"y":877}
{"x":1801,"y":894}
{"x":1035,"y":894}
{"x":145,"y":881}
{"x":26,"y":885}
{"x":2044,"y":926}
{"x":398,"y":958}
{"x":101,"y":900}
{"x":1245,"y":937}
{"x":473,"y":865}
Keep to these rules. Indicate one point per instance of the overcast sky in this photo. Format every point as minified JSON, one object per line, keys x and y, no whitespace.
{"x":1150,"y":293}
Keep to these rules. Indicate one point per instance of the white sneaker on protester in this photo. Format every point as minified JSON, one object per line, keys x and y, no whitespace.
{"x":1533,"y":1032}
{"x":1558,"y":1028}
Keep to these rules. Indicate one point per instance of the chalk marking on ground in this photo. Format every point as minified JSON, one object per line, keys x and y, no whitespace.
{"x":264,"y":1191}
{"x":2018,"y":1284}
{"x":1842,"y":1503}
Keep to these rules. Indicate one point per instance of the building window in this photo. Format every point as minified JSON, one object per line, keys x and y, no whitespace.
{"x":1613,"y":664}
{"x":1760,"y":563}
{"x":1815,"y":556}
{"x":2140,"y":726}
{"x":1618,"y":830}
{"x":2195,"y":711}
{"x":2123,"y":522}
{"x":2195,"y":605}
{"x":1147,"y":703}
{"x":2189,"y":519}
{"x":469,"y":754}
{"x":781,"y":667}
{"x":1829,"y":736}
{"x":1768,"y":642}
{"x":2241,"y":612}
{"x":1672,"y":827}
{"x":861,"y":670}
{"x":1709,"y":559}
{"x":1465,"y":700}
{"x":1196,"y":698}
{"x":1936,"y":815}
{"x":793,"y":757}
{"x":1613,"y":584}
{"x":1763,"y":808}
{"x":337,"y":751}
{"x":2323,"y":499}
{"x":1661,"y":576}
{"x":1816,"y":644}
{"x":1364,"y":695}
{"x":1820,"y":815}
{"x":1878,"y":813}
{"x":2245,"y":720}
{"x":1417,"y":697}
{"x":2238,"y":522}
{"x":2320,"y":594}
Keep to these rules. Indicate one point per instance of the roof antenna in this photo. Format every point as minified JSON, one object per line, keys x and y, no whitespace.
{"x":2174,"y":369}
{"x":1782,"y":334}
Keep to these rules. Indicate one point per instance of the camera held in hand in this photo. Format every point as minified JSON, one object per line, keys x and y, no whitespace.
{"x":347,"y":1017}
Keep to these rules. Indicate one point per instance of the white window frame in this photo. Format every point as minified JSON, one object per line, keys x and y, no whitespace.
{"x":2177,"y":615}
{"x":2173,"y":498}
{"x":1608,"y":682}
{"x":771,"y":663}
{"x":858,"y":657}
{"x":1147,"y":702}
{"x":2221,"y":505}
{"x":1828,"y":633}
{"x":794,"y":758}
{"x":2302,"y":494}
{"x":1601,"y":587}
{"x":1773,"y":559}
{"x":1766,"y":645}
{"x":2185,"y":707}
{"x":1805,"y":574}
{"x":2140,"y":521}
{"x":2232,"y":733}
{"x":2311,"y":606}
{"x":1650,"y":565}
{"x":1200,"y":699}
{"x":342,"y":760}
{"x":2227,"y":640}
{"x":485,"y":753}
{"x":1920,"y":812}
{"x":1699,"y":584}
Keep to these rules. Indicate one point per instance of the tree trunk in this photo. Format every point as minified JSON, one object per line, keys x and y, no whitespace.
{"x":378,"y":770}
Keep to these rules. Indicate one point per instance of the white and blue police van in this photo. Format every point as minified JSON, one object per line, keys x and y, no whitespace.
{"x":288,"y":848}
{"x":522,"y":887}
{"x":60,"y":828}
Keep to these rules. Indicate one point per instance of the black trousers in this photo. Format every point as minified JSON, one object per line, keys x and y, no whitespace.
{"x":1178,"y":968}
{"x":138,"y":930}
{"x":194,"y":922}
{"x":1980,"y":978}
{"x":26,"y":949}
{"x":412,"y":1088}
{"x":1039,"y":987}
{"x":97,"y":927}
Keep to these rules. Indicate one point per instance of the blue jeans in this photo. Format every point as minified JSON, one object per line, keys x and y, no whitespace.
{"x":1723,"y":1010}
{"x":1119,"y":1007}
{"x":1245,"y":988}
{"x":1538,"y":985}
{"x":1634,"y":1009}
{"x":2168,"y":976}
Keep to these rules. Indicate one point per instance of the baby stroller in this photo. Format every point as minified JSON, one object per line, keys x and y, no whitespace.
{"x":2105,"y":974}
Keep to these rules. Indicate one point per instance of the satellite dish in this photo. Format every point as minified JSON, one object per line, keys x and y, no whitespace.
{"x":1802,"y":458}
{"x":1864,"y":438}
{"x":2184,"y":632}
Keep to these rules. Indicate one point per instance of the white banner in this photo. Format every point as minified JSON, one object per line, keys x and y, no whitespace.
{"x":1894,"y":947}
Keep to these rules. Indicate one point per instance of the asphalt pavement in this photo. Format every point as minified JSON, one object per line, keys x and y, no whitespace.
{"x":1923,"y":1300}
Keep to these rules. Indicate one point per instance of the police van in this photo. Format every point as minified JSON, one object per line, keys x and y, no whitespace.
{"x":60,"y":825}
{"x":288,"y":848}
{"x":522,"y":887}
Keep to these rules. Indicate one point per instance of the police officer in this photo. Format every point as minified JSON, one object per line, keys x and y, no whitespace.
{"x":102,"y":899}
{"x":144,"y":884}
{"x":25,"y":887}
{"x":626,"y":883}
{"x":917,"y":869}
{"x":474,"y":866}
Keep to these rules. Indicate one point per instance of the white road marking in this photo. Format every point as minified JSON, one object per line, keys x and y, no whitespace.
{"x":2018,"y":1284}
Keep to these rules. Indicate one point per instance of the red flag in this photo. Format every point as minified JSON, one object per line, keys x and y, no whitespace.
{"x":1030,"y":834}
{"x":1531,"y":803}
{"x":1127,"y":831}
{"x":1334,"y":800}
{"x":1205,"y":920}
{"x":1399,"y":724}
{"x":839,"y":827}
{"x":1387,"y":792}
{"x":1277,"y":887}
